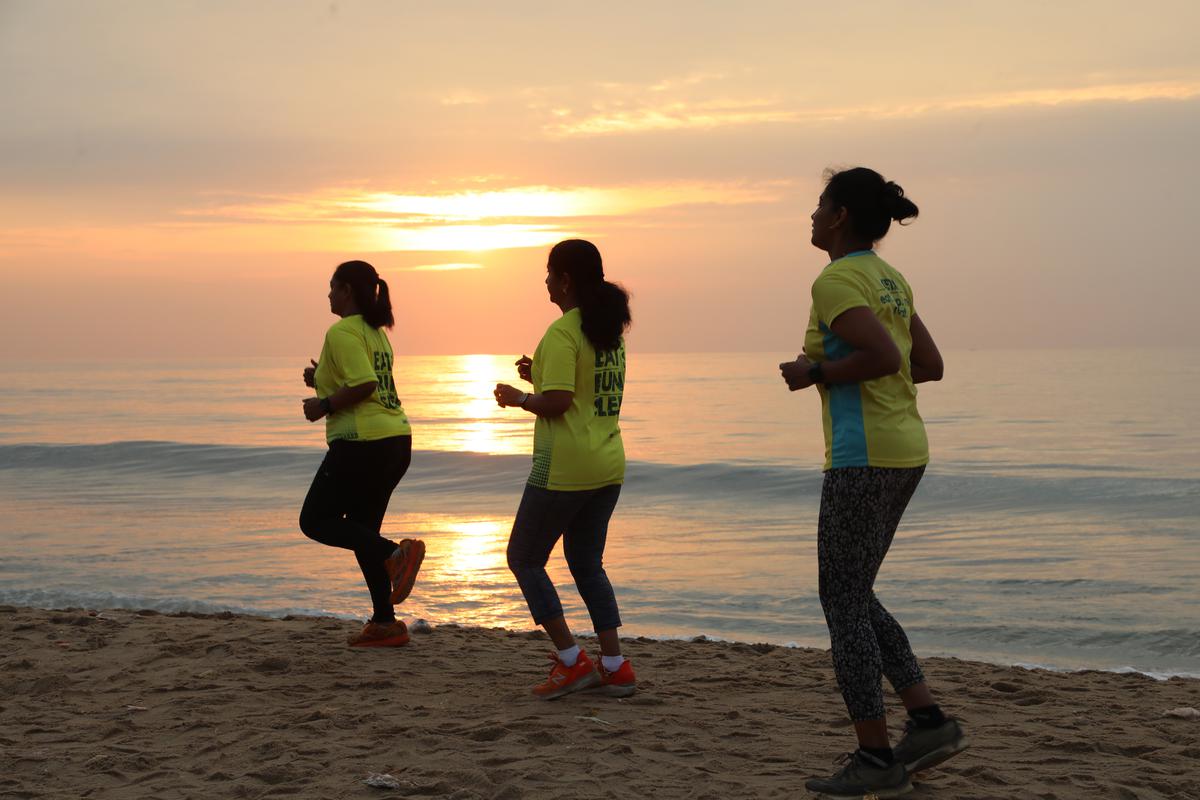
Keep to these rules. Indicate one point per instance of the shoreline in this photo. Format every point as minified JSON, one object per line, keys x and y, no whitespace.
{"x":211,"y":610}
{"x":119,"y":703}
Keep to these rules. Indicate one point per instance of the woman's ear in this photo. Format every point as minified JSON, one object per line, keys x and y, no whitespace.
{"x":839,"y":219}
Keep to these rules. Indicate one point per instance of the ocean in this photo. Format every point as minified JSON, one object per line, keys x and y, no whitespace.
{"x":1058,"y":524}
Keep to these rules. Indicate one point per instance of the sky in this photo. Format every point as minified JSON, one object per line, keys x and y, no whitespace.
{"x":180,"y":179}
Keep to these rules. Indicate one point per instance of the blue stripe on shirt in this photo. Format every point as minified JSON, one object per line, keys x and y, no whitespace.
{"x":845,"y":410}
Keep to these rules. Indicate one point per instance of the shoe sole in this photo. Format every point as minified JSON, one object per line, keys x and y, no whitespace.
{"x":935,"y":757}
{"x":414,"y":555}
{"x":882,"y":794}
{"x":615,"y":691}
{"x":577,"y":686}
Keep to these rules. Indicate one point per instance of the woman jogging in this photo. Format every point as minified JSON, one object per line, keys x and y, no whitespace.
{"x":864,"y":350}
{"x":578,"y":377}
{"x":370,"y":446}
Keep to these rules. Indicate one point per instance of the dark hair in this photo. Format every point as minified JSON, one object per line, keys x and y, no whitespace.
{"x":370,"y":292}
{"x":604,"y":306}
{"x":871,"y":202}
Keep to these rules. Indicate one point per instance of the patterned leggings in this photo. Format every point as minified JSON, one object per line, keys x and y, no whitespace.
{"x":860,"y":509}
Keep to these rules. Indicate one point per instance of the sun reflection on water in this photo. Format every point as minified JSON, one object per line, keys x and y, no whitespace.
{"x":465,"y":575}
{"x":457,"y":412}
{"x":474,"y":547}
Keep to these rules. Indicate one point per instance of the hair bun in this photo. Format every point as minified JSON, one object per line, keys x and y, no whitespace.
{"x":898,"y":206}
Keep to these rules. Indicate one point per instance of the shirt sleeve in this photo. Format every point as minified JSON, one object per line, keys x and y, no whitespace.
{"x":912,"y":303}
{"x":350,"y":357}
{"x":560,"y":351}
{"x":833,"y":295}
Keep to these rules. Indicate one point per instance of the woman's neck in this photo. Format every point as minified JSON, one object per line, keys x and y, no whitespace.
{"x":842,"y":249}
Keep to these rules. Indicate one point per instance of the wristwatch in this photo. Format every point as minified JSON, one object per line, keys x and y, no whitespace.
{"x":521,"y":401}
{"x":326,"y":406}
{"x":815,"y":373}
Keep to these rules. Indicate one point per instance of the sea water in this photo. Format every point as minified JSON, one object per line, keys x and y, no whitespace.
{"x":1058,"y":523}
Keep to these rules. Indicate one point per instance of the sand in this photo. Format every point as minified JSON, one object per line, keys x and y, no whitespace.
{"x":122,"y":704}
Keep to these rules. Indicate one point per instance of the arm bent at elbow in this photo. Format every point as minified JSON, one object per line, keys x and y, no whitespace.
{"x":875,"y":354}
{"x":550,"y":404}
{"x":345,"y":397}
{"x":348,"y":396}
{"x":925,"y":359}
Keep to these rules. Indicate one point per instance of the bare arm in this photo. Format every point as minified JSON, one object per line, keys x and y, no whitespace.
{"x":549,"y":404}
{"x":925,"y":358}
{"x":344,"y":397}
{"x":552,"y":403}
{"x":874,"y":353}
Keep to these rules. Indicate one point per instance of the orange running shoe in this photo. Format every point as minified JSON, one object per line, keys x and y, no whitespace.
{"x":394,"y":634}
{"x":402,"y":567}
{"x":564,"y":679}
{"x":620,"y":683}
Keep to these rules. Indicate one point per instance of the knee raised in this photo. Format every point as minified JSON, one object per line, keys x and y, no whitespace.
{"x":308,"y":524}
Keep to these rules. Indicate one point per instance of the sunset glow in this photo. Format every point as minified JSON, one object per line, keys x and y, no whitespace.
{"x":168,"y":183}
{"x":462,"y":221}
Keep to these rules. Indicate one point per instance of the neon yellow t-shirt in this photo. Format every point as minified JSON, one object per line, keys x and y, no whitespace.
{"x":874,"y":423}
{"x":582,"y":449}
{"x":354,"y":353}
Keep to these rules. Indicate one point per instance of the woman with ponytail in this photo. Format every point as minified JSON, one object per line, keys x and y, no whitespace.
{"x":865,"y":349}
{"x":370,"y":446}
{"x":578,"y":377}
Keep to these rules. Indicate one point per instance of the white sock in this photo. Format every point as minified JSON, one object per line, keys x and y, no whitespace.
{"x":612,"y":663}
{"x":569,"y":656}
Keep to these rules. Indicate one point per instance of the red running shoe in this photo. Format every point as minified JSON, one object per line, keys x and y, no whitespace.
{"x":620,"y":683}
{"x":564,"y":680}
{"x":402,"y":567}
{"x":373,"y":634}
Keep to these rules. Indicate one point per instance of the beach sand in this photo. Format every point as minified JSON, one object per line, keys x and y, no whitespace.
{"x":126,"y":704}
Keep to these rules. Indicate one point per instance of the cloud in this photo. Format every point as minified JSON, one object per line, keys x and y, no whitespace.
{"x":452,"y":267}
{"x":1107,"y":93}
{"x":348,"y":219}
{"x":670,"y":117}
{"x":646,"y":111}
{"x":470,"y":219}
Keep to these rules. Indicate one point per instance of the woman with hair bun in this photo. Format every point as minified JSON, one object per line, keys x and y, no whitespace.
{"x":864,"y":350}
{"x":370,"y":447}
{"x":578,"y":377}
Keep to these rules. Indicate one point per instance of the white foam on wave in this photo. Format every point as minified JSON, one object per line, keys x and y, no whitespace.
{"x":1158,"y":676}
{"x":58,"y":601}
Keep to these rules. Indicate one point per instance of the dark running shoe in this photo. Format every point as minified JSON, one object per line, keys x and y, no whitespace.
{"x":862,"y":776}
{"x":922,"y":748}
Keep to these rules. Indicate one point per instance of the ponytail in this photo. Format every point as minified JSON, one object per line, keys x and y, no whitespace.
{"x":603,"y":306}
{"x":369,"y":290}
{"x":381,"y":314}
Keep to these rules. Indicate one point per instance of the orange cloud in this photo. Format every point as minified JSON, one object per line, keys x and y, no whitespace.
{"x":650,"y":114}
{"x":470,"y":220}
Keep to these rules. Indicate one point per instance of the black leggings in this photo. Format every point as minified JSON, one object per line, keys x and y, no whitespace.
{"x":860,"y":510}
{"x":346,"y":503}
